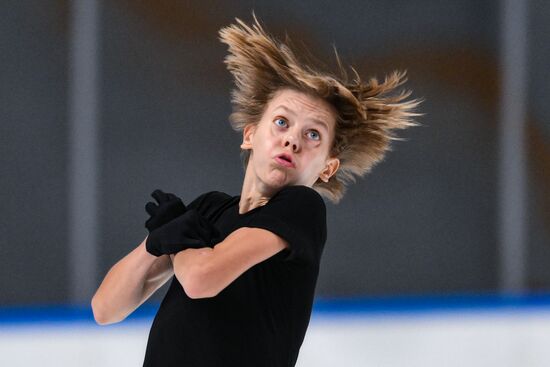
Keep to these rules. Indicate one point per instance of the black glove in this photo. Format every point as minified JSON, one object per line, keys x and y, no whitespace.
{"x":189,"y":230}
{"x":170,"y":206}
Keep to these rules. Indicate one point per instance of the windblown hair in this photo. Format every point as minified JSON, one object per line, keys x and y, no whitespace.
{"x":367,"y":113}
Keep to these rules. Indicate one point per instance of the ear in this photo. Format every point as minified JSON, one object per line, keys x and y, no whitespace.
{"x":248,"y":134}
{"x":330,"y":169}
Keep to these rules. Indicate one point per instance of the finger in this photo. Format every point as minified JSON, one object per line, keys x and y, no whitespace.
{"x":148,"y":224}
{"x":159,"y":196}
{"x":171,"y":196}
{"x":151,"y":208}
{"x":175,"y":200}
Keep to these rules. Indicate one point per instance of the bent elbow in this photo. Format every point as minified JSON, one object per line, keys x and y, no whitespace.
{"x":196,"y":285}
{"x":100,"y":316}
{"x":193,"y":292}
{"x":101,"y":321}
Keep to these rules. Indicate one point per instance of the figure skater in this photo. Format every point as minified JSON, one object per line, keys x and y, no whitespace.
{"x":243,"y":268}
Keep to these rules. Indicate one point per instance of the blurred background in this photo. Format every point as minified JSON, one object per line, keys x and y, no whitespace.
{"x":439,"y":256}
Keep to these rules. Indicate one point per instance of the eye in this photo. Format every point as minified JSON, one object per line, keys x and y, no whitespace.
{"x":279,"y":119}
{"x":316,"y":134}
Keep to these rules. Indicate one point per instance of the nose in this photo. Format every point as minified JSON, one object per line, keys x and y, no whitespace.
{"x":291,"y":141}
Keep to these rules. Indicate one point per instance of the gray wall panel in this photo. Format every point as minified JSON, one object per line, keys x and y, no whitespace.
{"x":422,"y":221}
{"x":33,"y":152}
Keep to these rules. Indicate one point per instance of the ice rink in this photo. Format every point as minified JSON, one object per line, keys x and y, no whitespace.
{"x":388,"y":335}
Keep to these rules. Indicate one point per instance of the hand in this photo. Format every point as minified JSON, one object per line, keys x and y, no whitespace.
{"x":170,"y":206}
{"x":189,"y":230}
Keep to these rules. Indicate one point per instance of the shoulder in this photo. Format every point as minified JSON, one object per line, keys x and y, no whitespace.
{"x":297,"y":214}
{"x":208,"y":199}
{"x":299,"y":195}
{"x":295,"y":207}
{"x":217,"y":196}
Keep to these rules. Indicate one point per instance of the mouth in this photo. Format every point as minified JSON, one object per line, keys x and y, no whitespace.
{"x":285,"y":160}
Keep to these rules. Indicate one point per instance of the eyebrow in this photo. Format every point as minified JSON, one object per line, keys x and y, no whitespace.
{"x":317,"y":121}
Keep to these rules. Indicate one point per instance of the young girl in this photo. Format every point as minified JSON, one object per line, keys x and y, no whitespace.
{"x":244,"y":268}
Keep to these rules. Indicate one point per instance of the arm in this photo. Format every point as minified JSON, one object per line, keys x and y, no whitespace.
{"x":206,"y":271}
{"x":129,"y":283}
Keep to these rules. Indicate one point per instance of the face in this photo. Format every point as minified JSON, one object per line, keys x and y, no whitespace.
{"x":299,"y":126}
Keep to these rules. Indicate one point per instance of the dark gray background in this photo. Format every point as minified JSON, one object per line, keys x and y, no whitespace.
{"x":423,"y":221}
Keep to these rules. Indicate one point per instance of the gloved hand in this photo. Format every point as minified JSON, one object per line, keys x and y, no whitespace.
{"x":169,"y":207}
{"x":189,"y":230}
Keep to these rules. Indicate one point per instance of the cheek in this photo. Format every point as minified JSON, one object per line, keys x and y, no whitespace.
{"x":271,"y":140}
{"x":318,"y":163}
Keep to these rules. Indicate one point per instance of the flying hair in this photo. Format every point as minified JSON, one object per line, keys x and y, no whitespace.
{"x":368,"y":113}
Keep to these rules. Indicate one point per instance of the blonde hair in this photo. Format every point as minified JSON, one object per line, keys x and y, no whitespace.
{"x":367,"y":113}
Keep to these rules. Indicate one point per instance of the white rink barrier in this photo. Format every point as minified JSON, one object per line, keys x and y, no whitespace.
{"x":339,"y":335}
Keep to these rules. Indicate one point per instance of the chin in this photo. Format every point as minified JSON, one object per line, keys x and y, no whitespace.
{"x":277,"y":178}
{"x":279,"y":185}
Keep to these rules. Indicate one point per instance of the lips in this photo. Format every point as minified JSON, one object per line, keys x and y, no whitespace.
{"x":285,"y":157}
{"x":285,"y":160}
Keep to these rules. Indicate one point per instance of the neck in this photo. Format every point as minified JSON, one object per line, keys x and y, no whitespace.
{"x":254,"y":192}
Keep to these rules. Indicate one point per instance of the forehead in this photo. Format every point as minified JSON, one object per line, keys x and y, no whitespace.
{"x":303,"y":104}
